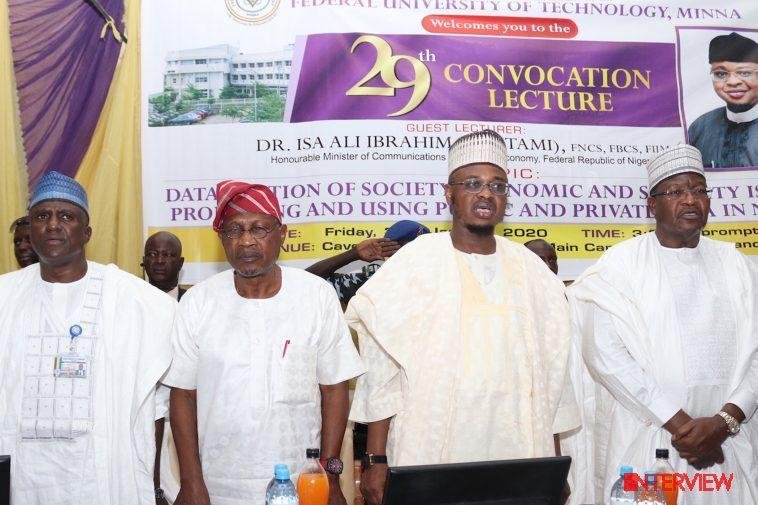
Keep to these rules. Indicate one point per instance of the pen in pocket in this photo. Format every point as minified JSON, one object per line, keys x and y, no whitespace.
{"x":286,"y":344}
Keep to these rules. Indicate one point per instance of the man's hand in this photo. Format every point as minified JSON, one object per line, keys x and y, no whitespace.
{"x":372,"y":483}
{"x":335,"y":492}
{"x":699,"y":441}
{"x":376,"y":249}
{"x":566,"y":493}
{"x":193,"y":493}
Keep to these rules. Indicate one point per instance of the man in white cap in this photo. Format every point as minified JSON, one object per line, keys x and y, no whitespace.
{"x":728,"y":136}
{"x":667,"y":327}
{"x":468,"y":361}
{"x":82,"y":347}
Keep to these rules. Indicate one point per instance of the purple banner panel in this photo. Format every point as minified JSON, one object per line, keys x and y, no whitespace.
{"x":429,"y":77}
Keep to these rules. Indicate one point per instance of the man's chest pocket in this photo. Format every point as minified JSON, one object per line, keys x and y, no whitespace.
{"x":295,"y":380}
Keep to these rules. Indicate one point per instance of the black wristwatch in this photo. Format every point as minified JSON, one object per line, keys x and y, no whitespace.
{"x":370,"y":460}
{"x":333,"y":466}
{"x":159,"y":494}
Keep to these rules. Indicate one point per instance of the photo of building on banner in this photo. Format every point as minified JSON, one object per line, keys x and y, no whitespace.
{"x":348,"y":111}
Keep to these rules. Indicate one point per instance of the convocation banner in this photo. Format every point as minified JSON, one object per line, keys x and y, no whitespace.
{"x":346,"y":108}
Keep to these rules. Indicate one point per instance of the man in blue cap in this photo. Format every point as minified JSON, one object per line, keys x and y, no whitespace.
{"x":82,"y":347}
{"x":371,"y":249}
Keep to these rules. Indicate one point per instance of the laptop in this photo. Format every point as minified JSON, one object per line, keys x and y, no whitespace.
{"x":534,"y":481}
{"x":5,"y":480}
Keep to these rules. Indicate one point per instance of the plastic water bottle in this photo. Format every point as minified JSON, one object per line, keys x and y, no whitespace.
{"x":281,"y":491}
{"x":618,"y":495}
{"x":664,"y":476}
{"x":650,"y":495}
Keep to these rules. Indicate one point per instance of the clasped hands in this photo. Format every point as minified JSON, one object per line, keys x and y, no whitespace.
{"x":699,"y":440}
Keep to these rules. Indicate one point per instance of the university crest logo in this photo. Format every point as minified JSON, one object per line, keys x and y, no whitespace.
{"x":252,"y":11}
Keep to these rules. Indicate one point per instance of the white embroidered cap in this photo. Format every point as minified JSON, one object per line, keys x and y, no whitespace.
{"x":675,"y":160}
{"x":484,"y":146}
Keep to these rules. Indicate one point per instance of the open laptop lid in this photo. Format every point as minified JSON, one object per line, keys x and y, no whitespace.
{"x":535,"y":481}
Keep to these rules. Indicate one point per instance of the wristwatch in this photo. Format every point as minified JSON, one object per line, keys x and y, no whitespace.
{"x":333,"y":466}
{"x":159,"y":494}
{"x":370,"y":460}
{"x":732,"y":424}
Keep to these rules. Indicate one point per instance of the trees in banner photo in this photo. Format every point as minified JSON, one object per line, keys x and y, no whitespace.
{"x":258,"y":104}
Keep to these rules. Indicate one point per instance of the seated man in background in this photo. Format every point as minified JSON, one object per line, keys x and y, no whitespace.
{"x":545,"y":251}
{"x":163,"y":261}
{"x":372,"y":249}
{"x":22,"y":244}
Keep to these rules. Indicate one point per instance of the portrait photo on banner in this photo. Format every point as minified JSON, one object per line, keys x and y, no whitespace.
{"x":718,"y":94}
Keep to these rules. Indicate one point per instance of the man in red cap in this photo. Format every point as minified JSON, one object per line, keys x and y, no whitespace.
{"x":263,"y":356}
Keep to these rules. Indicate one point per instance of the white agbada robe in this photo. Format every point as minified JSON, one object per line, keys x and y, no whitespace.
{"x":662,"y":329}
{"x":256,"y":365}
{"x":465,"y":374}
{"x":78,"y":441}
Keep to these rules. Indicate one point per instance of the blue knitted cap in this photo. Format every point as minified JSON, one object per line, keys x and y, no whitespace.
{"x":56,"y":186}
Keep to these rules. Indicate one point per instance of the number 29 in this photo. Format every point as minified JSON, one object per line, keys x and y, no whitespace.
{"x":384,"y":66}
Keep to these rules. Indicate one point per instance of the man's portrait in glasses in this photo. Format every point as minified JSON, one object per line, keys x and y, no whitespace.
{"x":728,"y":136}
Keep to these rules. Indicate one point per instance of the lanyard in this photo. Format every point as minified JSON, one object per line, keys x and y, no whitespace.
{"x":74,"y":331}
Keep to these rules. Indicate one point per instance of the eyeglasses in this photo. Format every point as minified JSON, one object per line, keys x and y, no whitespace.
{"x":676,"y":194}
{"x":476,"y":186}
{"x":235,"y":232}
{"x":742,"y":75}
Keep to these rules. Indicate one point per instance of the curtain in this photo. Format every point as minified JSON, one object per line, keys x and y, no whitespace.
{"x":63,"y":71}
{"x":111,"y":168}
{"x":13,"y":181}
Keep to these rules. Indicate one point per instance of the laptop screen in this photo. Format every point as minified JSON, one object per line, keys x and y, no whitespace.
{"x":535,"y":481}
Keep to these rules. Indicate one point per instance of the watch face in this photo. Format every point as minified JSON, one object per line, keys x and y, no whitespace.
{"x":334,"y":466}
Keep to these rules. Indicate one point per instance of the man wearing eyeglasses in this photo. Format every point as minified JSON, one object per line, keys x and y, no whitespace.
{"x":728,"y":136}
{"x":667,"y":324}
{"x":465,"y":337}
{"x":261,"y":364}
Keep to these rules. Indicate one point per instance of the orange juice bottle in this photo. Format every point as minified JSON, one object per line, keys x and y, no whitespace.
{"x":661,"y":468}
{"x":312,"y":484}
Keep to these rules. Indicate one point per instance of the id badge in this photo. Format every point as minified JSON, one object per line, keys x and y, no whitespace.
{"x":71,"y":366}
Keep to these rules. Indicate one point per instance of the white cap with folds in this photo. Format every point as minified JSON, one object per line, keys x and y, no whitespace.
{"x":484,"y":146}
{"x":679,"y":159}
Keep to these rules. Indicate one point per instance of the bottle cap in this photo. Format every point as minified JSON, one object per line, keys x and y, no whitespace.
{"x":625,"y":470}
{"x":282,"y":472}
{"x":649,"y":476}
{"x":662,"y":453}
{"x":312,"y":453}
